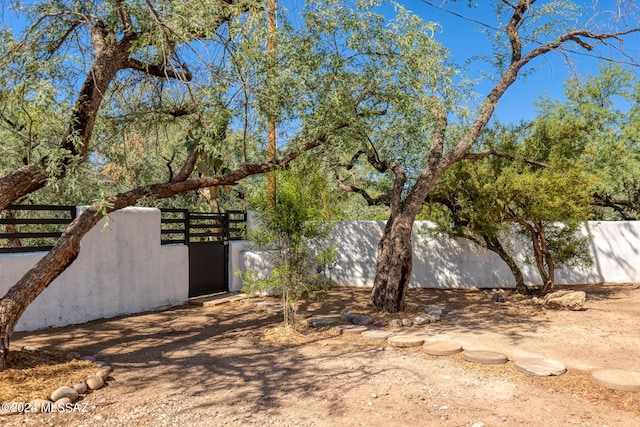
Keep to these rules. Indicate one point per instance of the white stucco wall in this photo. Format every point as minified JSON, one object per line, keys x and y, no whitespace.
{"x":121,"y":271}
{"x":447,"y":263}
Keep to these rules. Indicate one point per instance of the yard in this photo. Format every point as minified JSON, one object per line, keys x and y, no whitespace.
{"x":233,"y":364}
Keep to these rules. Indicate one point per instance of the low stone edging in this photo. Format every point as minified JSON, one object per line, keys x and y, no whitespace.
{"x":62,"y":399}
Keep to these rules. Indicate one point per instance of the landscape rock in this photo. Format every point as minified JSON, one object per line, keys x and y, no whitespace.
{"x":565,"y":300}
{"x":73,"y":355}
{"x":104,"y":372}
{"x":395,"y":323}
{"x":362,"y":320}
{"x":88,"y":358}
{"x":80,"y":387}
{"x":498,"y":298}
{"x":315,"y":322}
{"x":37,"y":405}
{"x":433,"y":310}
{"x":420,"y":320}
{"x":62,"y":392}
{"x":94,"y":382}
{"x":407,"y":322}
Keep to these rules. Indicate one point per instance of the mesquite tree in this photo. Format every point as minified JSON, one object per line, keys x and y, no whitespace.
{"x":441,"y":133}
{"x":203,"y":53}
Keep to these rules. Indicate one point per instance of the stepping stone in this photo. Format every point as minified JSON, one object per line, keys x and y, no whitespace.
{"x":485,"y":357}
{"x":441,"y":348}
{"x":351,"y":329}
{"x":617,"y":379}
{"x":316,"y":322}
{"x":377,"y":335}
{"x":540,"y":367}
{"x":406,"y":340}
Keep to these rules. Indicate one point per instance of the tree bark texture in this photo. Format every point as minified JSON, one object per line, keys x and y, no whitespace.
{"x":394,"y":264}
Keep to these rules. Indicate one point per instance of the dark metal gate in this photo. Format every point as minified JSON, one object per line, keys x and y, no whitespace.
{"x":207,"y":235}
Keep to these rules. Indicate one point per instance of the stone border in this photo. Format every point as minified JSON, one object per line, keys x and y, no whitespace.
{"x":62,"y":398}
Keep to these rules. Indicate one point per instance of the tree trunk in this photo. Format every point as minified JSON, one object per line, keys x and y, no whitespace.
{"x":394,"y":263}
{"x":495,"y":245}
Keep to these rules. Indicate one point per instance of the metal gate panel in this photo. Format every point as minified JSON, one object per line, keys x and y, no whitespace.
{"x":207,"y":268}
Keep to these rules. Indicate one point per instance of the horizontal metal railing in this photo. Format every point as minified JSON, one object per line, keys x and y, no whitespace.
{"x":33,"y":228}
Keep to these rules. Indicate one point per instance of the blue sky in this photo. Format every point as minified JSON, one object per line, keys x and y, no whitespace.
{"x":464,"y":40}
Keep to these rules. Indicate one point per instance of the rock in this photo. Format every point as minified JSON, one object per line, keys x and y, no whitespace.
{"x":315,"y":322}
{"x":351,"y":329}
{"x":73,"y":355}
{"x":535,"y":301}
{"x":362,"y":320}
{"x":485,"y":357}
{"x":94,"y":382}
{"x":540,"y":367}
{"x":433,"y":318}
{"x":80,"y":387}
{"x":38,"y":405}
{"x":433,"y":310}
{"x":395,"y":323}
{"x":441,"y":348}
{"x":29,"y":348}
{"x":407,"y":322}
{"x":88,"y":358}
{"x":62,"y":392}
{"x":498,"y":298}
{"x":477,"y":425}
{"x":104,"y":372}
{"x":565,"y":300}
{"x":376,"y":335}
{"x":345,"y":315}
{"x":419,"y":320}
{"x":617,"y":379}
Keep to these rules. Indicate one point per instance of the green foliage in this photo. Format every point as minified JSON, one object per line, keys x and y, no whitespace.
{"x":294,"y":240}
{"x":482,"y":200}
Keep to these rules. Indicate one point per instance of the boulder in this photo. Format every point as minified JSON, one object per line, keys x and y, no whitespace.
{"x":565,"y":300}
{"x":62,"y":392}
{"x":396,"y":323}
{"x":94,"y":382}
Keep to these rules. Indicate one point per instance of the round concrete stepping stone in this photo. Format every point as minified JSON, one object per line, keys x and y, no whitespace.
{"x":316,"y":322}
{"x":617,"y":379}
{"x":406,"y":340}
{"x":441,"y":348}
{"x":377,"y":335}
{"x":351,"y":329}
{"x":540,"y":367}
{"x":485,"y":357}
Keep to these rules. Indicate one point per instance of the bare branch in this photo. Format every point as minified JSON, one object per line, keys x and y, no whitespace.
{"x":160,"y":70}
{"x":380,"y":200}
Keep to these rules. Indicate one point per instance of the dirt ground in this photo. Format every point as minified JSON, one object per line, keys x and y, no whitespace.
{"x":231,"y":365}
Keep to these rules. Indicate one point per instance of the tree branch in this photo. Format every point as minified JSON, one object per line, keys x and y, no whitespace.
{"x":491,"y":152}
{"x":160,"y":70}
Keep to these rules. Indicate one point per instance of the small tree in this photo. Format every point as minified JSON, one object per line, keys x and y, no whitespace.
{"x":294,"y":236}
